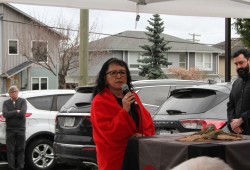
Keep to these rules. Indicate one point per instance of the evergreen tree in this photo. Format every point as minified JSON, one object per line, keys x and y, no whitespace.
{"x":242,"y":27}
{"x":154,"y":54}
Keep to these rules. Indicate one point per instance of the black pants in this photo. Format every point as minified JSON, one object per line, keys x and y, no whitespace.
{"x":15,"y":140}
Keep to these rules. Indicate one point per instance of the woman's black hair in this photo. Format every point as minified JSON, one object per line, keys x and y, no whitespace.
{"x":100,"y":81}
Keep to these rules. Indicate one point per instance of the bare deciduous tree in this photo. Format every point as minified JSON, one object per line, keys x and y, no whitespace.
{"x":191,"y":74}
{"x":53,"y":49}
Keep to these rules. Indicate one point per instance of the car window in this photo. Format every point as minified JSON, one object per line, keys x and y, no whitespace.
{"x":62,"y":99}
{"x":78,"y":98}
{"x":192,"y":101}
{"x":41,"y":102}
{"x":154,"y":95}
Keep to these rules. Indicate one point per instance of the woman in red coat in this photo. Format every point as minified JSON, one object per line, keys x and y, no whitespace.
{"x":115,"y":115}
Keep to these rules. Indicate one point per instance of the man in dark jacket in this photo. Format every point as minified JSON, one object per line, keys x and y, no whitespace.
{"x":14,"y":110}
{"x":238,"y":107}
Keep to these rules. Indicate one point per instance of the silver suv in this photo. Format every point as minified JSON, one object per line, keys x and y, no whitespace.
{"x":40,"y":125}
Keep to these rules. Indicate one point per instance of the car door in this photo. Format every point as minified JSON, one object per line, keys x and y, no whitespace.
{"x":58,"y":102}
{"x":2,"y":121}
{"x":40,"y":110}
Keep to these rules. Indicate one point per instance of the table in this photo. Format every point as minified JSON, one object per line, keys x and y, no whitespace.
{"x":164,"y":152}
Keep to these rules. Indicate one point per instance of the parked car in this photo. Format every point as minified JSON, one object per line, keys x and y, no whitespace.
{"x":73,"y":142}
{"x":42,"y":107}
{"x":192,"y":108}
{"x":154,"y":92}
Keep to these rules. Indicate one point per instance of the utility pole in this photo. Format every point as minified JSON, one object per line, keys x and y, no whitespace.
{"x":83,"y":49}
{"x":194,"y":37}
{"x":228,"y":50}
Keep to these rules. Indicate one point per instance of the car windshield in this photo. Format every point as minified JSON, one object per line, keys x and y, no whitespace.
{"x":154,"y":95}
{"x":192,"y":101}
{"x":79,"y":99}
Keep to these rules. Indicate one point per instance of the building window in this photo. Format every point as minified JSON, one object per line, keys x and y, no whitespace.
{"x":182,"y":61}
{"x":13,"y":47}
{"x":203,"y":61}
{"x":40,"y":51}
{"x":39,"y":83}
{"x":133,"y":63}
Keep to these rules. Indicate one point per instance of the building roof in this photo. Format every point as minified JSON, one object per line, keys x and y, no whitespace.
{"x":236,"y":44}
{"x":33,"y":19}
{"x":132,"y":40}
{"x":17,"y":69}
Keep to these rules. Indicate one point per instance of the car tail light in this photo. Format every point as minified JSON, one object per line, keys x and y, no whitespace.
{"x":86,"y":117}
{"x":201,"y":124}
{"x":28,"y":114}
{"x":2,"y":119}
{"x":3,"y":148}
{"x":89,"y":148}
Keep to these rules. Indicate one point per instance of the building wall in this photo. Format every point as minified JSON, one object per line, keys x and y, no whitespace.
{"x":174,"y":58}
{"x":39,"y":72}
{"x":222,"y":67}
{"x":10,"y":30}
{"x":25,"y":34}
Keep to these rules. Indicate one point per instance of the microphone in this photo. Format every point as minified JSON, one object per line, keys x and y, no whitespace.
{"x":133,"y":111}
{"x":125,"y":88}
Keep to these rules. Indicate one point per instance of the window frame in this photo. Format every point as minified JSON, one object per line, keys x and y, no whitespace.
{"x":46,"y":49}
{"x":39,"y":82}
{"x":185,"y":63}
{"x":203,"y":67}
{"x":17,"y":46}
{"x":140,"y":56}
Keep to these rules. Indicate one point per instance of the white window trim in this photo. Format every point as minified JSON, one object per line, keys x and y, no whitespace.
{"x":140,"y":64}
{"x":17,"y":46}
{"x":39,"y":41}
{"x":135,"y":69}
{"x":40,"y":82}
{"x":183,"y":62}
{"x":211,"y":60}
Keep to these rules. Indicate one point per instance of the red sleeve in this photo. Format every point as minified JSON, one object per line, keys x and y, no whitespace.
{"x":111,"y":123}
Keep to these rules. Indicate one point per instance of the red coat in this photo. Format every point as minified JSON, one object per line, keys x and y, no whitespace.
{"x":113,"y":126}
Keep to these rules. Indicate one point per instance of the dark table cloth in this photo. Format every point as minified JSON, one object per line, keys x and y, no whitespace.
{"x":164,"y":152}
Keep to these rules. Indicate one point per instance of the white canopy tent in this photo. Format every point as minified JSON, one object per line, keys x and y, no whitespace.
{"x":208,"y":8}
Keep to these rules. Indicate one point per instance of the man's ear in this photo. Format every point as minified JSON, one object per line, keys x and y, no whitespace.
{"x":248,"y":61}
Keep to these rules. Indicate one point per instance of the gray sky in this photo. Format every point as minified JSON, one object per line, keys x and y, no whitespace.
{"x":211,"y":30}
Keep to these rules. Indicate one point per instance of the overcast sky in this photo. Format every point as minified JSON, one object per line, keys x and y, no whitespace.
{"x":208,"y":30}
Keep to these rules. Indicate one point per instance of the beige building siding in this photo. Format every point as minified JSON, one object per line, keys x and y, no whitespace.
{"x":222,"y":67}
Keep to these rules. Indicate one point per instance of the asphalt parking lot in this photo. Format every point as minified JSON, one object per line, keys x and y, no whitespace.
{"x":4,"y":166}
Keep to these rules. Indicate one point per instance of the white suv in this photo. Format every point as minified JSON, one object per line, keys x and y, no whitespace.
{"x":42,"y":107}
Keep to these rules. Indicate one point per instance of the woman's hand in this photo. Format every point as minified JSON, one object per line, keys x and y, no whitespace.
{"x":127,"y":100}
{"x":137,"y":135}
